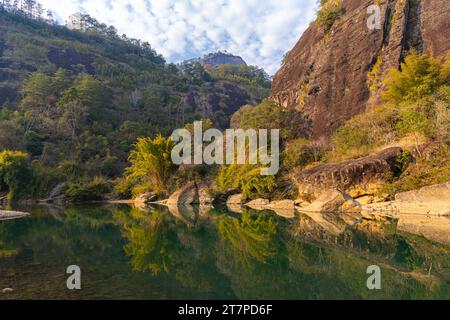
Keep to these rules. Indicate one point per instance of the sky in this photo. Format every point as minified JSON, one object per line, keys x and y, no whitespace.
{"x":260,"y":31}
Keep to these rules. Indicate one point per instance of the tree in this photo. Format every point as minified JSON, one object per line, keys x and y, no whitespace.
{"x":50,"y":17}
{"x":36,"y":101}
{"x":415,"y":122}
{"x":419,"y":77}
{"x":73,"y":118}
{"x":269,"y":115}
{"x":61,"y":81}
{"x":15,"y":172}
{"x":151,"y":158}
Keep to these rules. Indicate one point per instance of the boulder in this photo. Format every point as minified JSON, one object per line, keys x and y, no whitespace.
{"x":282,"y":204}
{"x":428,"y":200}
{"x":187,"y":195}
{"x":332,"y":201}
{"x":357,"y":178}
{"x":145,"y":199}
{"x":235,"y":199}
{"x":9,"y":215}
{"x":57,"y":194}
{"x":205,"y":197}
{"x":258,"y":203}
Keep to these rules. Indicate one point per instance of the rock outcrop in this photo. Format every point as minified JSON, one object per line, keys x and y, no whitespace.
{"x":235,"y":199}
{"x":431,"y":200}
{"x":333,"y":201}
{"x":145,"y":199}
{"x":205,"y":197}
{"x":258,"y":203}
{"x":187,"y":195}
{"x":356,"y":177}
{"x":326,"y":75}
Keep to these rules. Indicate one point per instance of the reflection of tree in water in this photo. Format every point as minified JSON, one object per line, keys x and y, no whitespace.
{"x":248,"y":239}
{"x":4,"y":251}
{"x":152,"y":242}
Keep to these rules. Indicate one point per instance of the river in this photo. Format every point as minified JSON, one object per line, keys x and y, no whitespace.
{"x":213,"y":253}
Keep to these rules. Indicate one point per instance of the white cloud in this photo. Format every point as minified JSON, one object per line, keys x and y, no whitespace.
{"x":260,"y":31}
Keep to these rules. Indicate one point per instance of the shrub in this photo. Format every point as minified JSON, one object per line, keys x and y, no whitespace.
{"x":302,"y":152}
{"x":151,"y":158}
{"x":269,"y":115}
{"x":15,"y":173}
{"x":246,"y":178}
{"x":88,"y":191}
{"x":420,"y":76}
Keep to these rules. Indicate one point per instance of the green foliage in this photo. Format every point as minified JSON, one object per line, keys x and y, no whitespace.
{"x":15,"y":173}
{"x":36,"y":90}
{"x":269,"y":115}
{"x":94,"y":93}
{"x":424,"y":172}
{"x":329,"y":12}
{"x":249,"y":239}
{"x":416,"y":106}
{"x":420,"y":76}
{"x":88,"y":191}
{"x":151,"y":158}
{"x":246,"y":178}
{"x":302,"y":152}
{"x":152,"y":245}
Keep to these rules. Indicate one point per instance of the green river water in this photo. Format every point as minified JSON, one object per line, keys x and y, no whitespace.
{"x":188,"y":253}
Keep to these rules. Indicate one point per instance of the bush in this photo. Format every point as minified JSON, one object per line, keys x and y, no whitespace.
{"x":423,"y":173}
{"x":269,"y":115}
{"x":329,"y":12}
{"x":420,"y":76}
{"x":246,"y":178}
{"x":302,"y":152}
{"x":151,"y":158}
{"x":15,"y":173}
{"x":88,"y":191}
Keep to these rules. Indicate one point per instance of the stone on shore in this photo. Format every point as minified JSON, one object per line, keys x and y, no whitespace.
{"x":356,"y":178}
{"x":9,"y":215}
{"x":145,"y":199}
{"x":235,"y":199}
{"x":205,"y":197}
{"x":258,"y":204}
{"x":187,"y":195}
{"x":431,"y":200}
{"x":333,"y":201}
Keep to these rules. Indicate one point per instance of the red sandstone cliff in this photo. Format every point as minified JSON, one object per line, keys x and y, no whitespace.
{"x":326,"y":76}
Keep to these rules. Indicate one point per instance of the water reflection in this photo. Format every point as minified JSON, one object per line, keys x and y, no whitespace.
{"x":206,"y":253}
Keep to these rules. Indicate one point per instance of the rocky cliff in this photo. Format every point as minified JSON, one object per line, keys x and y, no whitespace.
{"x":326,"y":75}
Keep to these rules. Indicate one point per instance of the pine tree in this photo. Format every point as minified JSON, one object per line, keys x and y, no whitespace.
{"x":39,"y":11}
{"x":50,"y":17}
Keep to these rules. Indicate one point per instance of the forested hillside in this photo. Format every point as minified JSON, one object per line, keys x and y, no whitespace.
{"x":76,"y":102}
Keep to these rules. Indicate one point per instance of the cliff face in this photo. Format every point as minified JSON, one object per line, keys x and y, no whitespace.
{"x":220,"y":58}
{"x":326,"y":75}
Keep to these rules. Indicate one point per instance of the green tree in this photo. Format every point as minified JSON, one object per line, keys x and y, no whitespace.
{"x":151,"y":158}
{"x":269,"y":115}
{"x":36,"y":90}
{"x":414,"y":122}
{"x":246,"y":178}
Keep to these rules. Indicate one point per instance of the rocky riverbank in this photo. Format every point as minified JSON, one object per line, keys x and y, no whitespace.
{"x":9,"y":215}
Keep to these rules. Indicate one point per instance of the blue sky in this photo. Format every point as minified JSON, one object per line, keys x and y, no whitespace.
{"x":260,"y":31}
